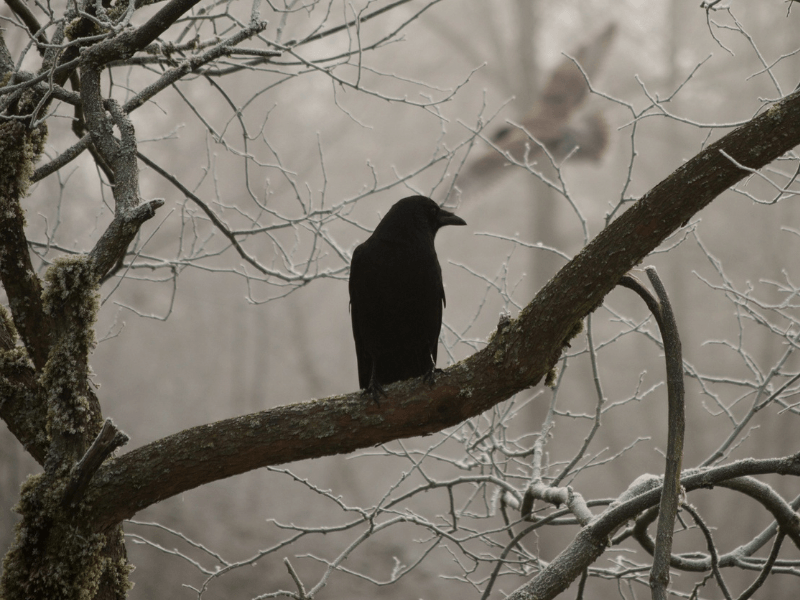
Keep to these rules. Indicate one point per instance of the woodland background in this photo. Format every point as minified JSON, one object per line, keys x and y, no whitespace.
{"x":192,"y":335}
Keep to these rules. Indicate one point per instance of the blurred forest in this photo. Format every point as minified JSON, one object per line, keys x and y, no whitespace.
{"x":302,"y":155}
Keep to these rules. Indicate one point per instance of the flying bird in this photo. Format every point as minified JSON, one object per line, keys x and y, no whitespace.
{"x":397,"y":295}
{"x":555,"y":120}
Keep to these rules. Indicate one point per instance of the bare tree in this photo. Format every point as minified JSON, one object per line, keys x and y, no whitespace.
{"x":89,"y":84}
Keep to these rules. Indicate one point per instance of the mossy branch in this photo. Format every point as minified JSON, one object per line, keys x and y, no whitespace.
{"x":109,"y":439}
{"x":19,"y":148}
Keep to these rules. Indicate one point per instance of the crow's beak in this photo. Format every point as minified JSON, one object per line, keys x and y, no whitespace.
{"x":448,"y":218}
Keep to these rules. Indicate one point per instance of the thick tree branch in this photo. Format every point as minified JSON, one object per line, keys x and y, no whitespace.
{"x":129,"y":42}
{"x":18,"y":148}
{"x":120,"y":155}
{"x":517,"y":357}
{"x":19,"y":389}
{"x":160,"y":22}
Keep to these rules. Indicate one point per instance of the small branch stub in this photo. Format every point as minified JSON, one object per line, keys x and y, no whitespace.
{"x":117,"y":237}
{"x":109,"y":439}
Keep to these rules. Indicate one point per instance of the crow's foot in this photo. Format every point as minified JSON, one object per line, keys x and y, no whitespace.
{"x":430,"y":376}
{"x":375,"y":390}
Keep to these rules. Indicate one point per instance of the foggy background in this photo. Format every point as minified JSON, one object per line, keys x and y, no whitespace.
{"x":201,"y":337}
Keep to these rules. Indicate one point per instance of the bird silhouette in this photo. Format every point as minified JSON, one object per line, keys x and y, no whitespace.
{"x":397,"y":295}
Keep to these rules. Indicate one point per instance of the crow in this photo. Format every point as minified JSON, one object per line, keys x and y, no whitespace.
{"x":397,"y":295}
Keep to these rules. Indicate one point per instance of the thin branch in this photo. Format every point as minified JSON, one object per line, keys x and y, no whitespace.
{"x":662,"y":311}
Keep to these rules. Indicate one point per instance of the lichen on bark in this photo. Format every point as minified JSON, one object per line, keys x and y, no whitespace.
{"x":55,"y":553}
{"x":71,"y":299}
{"x":20,"y":148}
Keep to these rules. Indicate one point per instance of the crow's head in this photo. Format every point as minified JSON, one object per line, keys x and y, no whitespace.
{"x":416,"y":214}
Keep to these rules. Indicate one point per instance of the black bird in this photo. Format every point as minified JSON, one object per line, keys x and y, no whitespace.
{"x":396,"y":295}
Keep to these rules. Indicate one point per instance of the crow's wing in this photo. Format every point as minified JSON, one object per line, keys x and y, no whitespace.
{"x":359,"y":296}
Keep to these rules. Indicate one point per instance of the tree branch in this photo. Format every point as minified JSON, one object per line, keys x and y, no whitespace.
{"x":109,"y":439}
{"x":591,"y":541}
{"x":518,"y":356}
{"x":712,"y":552}
{"x":120,"y":233}
{"x":31,"y":22}
{"x":670,"y":499}
{"x":127,"y":43}
{"x":782,"y":511}
{"x":20,"y":282}
{"x":19,"y":389}
{"x":121,"y":158}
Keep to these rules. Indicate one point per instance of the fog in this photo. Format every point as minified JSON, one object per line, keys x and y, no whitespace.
{"x":194,"y":333}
